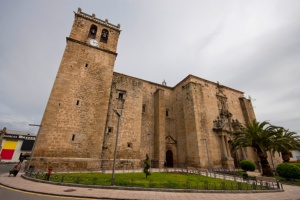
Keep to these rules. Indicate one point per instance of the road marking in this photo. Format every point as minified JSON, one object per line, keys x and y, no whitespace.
{"x":49,"y":195}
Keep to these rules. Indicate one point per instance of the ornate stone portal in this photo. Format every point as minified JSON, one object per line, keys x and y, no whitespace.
{"x":223,"y":127}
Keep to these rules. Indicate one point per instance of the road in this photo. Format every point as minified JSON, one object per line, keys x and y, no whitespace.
{"x":12,"y":194}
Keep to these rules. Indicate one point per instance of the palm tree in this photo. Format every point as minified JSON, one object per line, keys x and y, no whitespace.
{"x":260,"y":137}
{"x":284,"y":141}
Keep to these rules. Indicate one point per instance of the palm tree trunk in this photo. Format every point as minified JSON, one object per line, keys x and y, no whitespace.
{"x":285,"y":156}
{"x":266,"y":169}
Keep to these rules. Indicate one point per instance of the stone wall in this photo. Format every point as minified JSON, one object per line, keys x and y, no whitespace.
{"x":73,"y":123}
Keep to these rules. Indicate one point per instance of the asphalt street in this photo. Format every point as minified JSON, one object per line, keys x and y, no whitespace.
{"x":12,"y":194}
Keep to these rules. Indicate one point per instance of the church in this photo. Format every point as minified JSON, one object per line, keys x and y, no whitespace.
{"x":187,"y":125}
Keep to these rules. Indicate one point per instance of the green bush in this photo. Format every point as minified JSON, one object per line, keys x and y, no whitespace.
{"x":288,"y":170}
{"x":297,"y":164}
{"x":247,"y":165}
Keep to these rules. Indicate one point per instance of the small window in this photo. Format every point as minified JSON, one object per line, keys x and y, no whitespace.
{"x":93,"y":32}
{"x":109,"y":130}
{"x":167,"y":113}
{"x":77,"y":103}
{"x":129,"y":144}
{"x":104,"y":36}
{"x":144,"y":108}
{"x":73,"y":137}
{"x":86,"y":65}
{"x":121,"y":95}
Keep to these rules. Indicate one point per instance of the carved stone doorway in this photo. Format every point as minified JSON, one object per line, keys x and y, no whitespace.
{"x":169,"y":158}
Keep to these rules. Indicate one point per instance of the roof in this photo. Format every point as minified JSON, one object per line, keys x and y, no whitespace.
{"x":186,"y":78}
{"x":20,"y":133}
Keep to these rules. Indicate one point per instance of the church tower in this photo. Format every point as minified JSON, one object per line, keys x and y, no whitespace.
{"x":72,"y":128}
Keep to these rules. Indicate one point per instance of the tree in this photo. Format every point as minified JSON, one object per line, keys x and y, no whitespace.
{"x":284,"y":141}
{"x":147,"y":166}
{"x":259,"y":136}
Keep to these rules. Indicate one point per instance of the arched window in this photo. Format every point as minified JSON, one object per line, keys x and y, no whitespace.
{"x":93,"y":32}
{"x":104,"y":36}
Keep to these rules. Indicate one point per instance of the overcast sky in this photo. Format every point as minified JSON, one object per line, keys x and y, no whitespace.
{"x":252,"y":46}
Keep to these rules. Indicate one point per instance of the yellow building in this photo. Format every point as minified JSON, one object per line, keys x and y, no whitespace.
{"x":16,"y":144}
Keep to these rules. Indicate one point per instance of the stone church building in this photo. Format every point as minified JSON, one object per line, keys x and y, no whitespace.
{"x":187,"y":125}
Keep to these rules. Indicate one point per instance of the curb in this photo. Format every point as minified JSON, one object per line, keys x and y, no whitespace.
{"x":60,"y":195}
{"x":151,"y":189}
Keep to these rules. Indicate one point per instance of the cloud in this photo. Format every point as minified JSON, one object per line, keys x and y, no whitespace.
{"x":17,"y":122}
{"x":252,"y":46}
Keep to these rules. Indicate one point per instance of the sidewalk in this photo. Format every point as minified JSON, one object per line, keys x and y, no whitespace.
{"x":290,"y":192}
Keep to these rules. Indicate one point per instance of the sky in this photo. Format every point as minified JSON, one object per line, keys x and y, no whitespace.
{"x":252,"y":46}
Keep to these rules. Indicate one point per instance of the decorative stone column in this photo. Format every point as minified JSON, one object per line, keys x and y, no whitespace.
{"x":227,"y":147}
{"x":224,"y":146}
{"x":243,"y":153}
{"x":227,"y":160}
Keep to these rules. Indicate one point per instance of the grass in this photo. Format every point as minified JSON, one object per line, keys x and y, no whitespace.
{"x":156,"y":180}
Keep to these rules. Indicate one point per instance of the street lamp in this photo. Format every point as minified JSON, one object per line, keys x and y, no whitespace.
{"x":36,"y":138}
{"x":150,"y":151}
{"x":208,"y":164}
{"x":115,"y":153}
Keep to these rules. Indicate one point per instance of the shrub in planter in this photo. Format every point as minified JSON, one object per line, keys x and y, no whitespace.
{"x":288,"y":170}
{"x":247,"y":165}
{"x":297,"y":164}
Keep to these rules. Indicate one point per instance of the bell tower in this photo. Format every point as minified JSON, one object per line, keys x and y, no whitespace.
{"x":73,"y":125}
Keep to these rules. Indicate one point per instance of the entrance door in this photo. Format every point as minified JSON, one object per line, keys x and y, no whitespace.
{"x":169,"y":158}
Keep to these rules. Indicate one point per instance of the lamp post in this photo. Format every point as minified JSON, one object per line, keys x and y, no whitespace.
{"x":37,"y":135}
{"x":150,"y":151}
{"x":115,"y":153}
{"x":208,"y":164}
